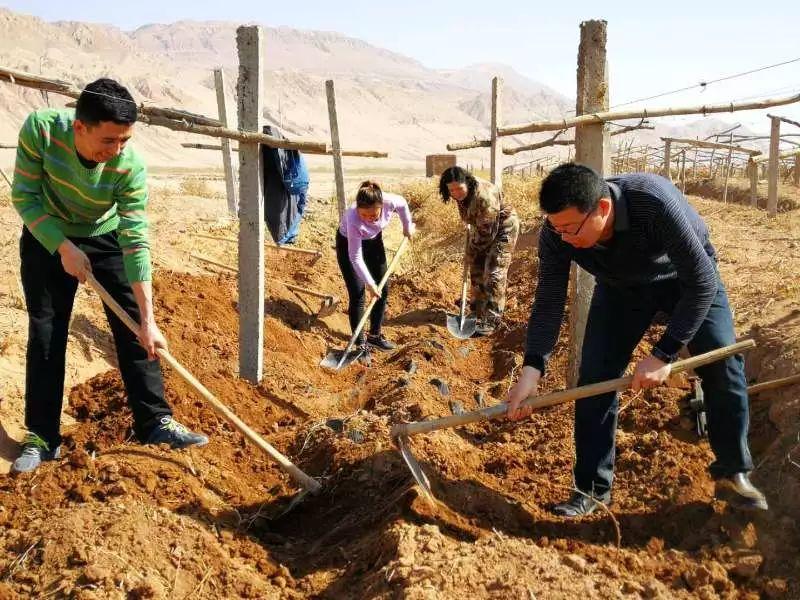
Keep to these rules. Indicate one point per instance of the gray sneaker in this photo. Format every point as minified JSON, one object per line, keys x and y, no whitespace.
{"x":169,"y":431}
{"x":34,"y":451}
{"x":739,"y":492}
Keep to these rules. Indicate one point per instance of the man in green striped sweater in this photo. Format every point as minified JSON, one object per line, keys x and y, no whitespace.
{"x":82,"y":192}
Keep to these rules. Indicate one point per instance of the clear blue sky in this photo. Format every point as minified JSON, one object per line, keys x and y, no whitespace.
{"x":653,"y":47}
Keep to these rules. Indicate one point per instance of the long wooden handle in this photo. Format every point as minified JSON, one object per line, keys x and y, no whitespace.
{"x":464,"y":279}
{"x":307,"y":482}
{"x":757,"y":388}
{"x":584,"y":391}
{"x":372,"y":302}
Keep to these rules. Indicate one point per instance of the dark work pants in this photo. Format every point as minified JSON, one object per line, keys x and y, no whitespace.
{"x":49,"y":295}
{"x":375,"y":259}
{"x":618,"y":318}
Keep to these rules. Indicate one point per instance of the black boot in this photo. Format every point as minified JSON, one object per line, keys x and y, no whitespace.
{"x":580,"y":505}
{"x":380,"y":342}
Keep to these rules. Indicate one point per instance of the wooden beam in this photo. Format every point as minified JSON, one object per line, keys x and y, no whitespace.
{"x":602,"y":117}
{"x":65,"y":88}
{"x":593,"y":149}
{"x":772,"y":177}
{"x":704,"y":144}
{"x":251,"y":211}
{"x":552,"y":141}
{"x":227,"y":156}
{"x":362,"y":153}
{"x":249,"y":137}
{"x":496,"y":161}
{"x":781,"y":155}
{"x":470,"y":145}
{"x":341,"y":202}
{"x":785,"y":120}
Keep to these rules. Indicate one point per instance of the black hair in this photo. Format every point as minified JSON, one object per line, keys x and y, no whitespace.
{"x":571,"y":184}
{"x":456,"y":175}
{"x":106,"y":100}
{"x":369,"y":195}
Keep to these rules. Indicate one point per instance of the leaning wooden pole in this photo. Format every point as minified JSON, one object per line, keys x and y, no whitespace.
{"x":227,"y":154}
{"x":338,"y":172}
{"x":772,"y":177}
{"x":496,"y":165}
{"x":283,"y":462}
{"x":592,"y":148}
{"x":251,"y":209}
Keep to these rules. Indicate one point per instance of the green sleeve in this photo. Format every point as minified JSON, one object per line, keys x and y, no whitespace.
{"x":131,"y":199}
{"x":26,"y":191}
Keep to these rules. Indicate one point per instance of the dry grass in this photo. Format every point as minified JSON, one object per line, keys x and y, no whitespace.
{"x":196,"y":187}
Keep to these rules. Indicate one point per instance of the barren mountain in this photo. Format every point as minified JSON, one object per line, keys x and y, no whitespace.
{"x":385,"y":101}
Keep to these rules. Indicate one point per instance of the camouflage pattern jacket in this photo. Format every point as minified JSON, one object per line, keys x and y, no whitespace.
{"x":486,"y":212}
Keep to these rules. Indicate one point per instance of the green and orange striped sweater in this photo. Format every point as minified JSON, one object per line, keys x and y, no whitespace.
{"x":57,"y":197}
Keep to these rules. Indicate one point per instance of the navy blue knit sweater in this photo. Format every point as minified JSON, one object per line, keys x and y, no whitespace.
{"x":657,"y":236}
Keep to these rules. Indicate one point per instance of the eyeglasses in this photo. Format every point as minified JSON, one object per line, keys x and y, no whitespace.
{"x":563,"y":232}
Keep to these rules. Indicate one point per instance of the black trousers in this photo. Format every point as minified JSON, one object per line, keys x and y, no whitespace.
{"x":49,"y":295}
{"x":375,"y":259}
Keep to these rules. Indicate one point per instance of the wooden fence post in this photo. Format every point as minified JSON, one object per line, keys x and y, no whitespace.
{"x":496,"y":167}
{"x":797,"y":169}
{"x":774,"y":159}
{"x":592,"y":148}
{"x":752,"y":169}
{"x":668,"y":159}
{"x":341,"y":203}
{"x":251,"y":210}
{"x":227,"y":155}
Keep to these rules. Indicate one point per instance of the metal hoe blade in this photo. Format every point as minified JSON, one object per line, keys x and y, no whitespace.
{"x":416,"y":470}
{"x":335,"y":359}
{"x":455,"y":329}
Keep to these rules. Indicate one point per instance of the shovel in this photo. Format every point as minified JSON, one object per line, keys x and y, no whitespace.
{"x":309,"y":484}
{"x":336,"y":359}
{"x":401,"y":431}
{"x":461,"y":326}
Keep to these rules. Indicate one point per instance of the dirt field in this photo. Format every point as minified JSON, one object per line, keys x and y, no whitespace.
{"x":118,"y":520}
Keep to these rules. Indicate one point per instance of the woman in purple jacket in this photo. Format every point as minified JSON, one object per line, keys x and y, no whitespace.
{"x":362,"y":257}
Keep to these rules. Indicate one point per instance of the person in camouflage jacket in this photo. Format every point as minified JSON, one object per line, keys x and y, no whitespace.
{"x":492,"y":237}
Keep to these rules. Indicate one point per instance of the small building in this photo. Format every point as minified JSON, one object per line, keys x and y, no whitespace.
{"x":436,"y":163}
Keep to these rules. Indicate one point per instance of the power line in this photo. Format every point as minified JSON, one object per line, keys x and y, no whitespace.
{"x":704,"y":84}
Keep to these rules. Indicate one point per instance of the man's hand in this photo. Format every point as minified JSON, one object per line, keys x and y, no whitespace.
{"x":373,"y":292}
{"x":151,"y":338}
{"x":74,"y":260}
{"x":527,"y":385}
{"x":412,"y":229}
{"x":650,"y":372}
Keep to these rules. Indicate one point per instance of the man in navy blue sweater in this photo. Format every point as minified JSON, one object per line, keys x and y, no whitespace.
{"x":650,"y":252}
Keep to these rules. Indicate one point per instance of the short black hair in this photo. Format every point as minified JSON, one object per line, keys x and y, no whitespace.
{"x":456,"y":175}
{"x":106,"y":100}
{"x":571,"y":184}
